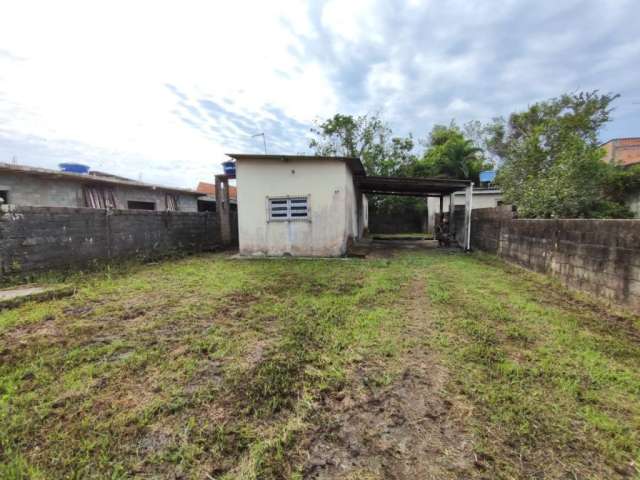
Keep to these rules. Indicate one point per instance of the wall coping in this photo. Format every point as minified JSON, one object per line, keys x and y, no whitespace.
{"x":97,"y":211}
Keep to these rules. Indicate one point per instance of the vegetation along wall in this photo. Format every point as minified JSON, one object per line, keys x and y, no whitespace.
{"x":43,"y":238}
{"x":597,"y":256}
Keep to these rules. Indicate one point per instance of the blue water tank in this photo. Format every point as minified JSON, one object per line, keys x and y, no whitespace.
{"x":229,"y":169}
{"x":74,"y":168}
{"x":488,"y":176}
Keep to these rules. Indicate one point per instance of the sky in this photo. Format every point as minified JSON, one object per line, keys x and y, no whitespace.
{"x":160,"y":90}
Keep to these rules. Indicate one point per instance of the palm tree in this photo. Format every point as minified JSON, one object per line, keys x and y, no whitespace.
{"x":462,"y":159}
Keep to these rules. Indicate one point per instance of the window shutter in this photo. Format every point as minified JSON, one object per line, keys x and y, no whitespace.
{"x":295,"y":208}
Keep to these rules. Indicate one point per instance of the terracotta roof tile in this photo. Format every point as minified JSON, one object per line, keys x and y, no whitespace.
{"x":210,"y":190}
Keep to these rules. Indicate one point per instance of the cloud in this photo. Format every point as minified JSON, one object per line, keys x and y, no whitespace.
{"x":203,"y":78}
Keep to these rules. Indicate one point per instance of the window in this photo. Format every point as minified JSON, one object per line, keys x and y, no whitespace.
{"x":4,"y":197}
{"x":289,"y":208}
{"x":133,"y":205}
{"x":99,"y":197}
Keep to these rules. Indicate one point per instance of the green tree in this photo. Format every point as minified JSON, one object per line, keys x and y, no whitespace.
{"x":372,"y":140}
{"x":366,"y":137}
{"x":450,"y":153}
{"x":552,"y":164}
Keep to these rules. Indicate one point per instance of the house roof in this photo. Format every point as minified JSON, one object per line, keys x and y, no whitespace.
{"x":410,"y":186}
{"x":209,"y":189}
{"x":353,"y":163}
{"x":92,"y":177}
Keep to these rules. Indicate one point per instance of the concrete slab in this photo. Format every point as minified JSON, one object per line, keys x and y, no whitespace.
{"x":12,"y":297}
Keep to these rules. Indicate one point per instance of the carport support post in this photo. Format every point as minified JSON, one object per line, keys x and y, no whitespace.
{"x":468,"y":205}
{"x":222,"y":209}
{"x":441,"y":208}
{"x":452,"y":207}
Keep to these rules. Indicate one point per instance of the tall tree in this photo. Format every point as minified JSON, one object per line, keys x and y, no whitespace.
{"x":371,"y":139}
{"x":449,"y":154}
{"x":367,"y":137}
{"x":552,"y":162}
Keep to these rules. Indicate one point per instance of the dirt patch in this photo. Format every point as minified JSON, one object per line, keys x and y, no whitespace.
{"x":409,"y":429}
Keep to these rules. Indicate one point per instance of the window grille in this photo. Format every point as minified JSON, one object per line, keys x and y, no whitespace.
{"x":293,"y":208}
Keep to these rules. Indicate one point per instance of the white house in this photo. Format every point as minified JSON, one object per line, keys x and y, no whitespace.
{"x":298,"y":205}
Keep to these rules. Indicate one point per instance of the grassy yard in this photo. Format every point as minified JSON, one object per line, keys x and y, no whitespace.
{"x":428,"y":364}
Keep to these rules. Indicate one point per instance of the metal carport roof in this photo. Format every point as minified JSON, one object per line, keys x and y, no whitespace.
{"x":410,"y":186}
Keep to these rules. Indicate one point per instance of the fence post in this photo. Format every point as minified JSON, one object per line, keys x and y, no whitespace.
{"x":222,"y":209}
{"x":468,"y":206}
{"x":107,"y":221}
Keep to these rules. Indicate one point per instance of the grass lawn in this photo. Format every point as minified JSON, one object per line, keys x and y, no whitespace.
{"x":429,"y":364}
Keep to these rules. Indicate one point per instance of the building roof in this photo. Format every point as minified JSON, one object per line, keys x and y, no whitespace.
{"x":92,"y":177}
{"x":209,"y":189}
{"x":353,"y":163}
{"x":633,"y":139}
{"x":410,"y":186}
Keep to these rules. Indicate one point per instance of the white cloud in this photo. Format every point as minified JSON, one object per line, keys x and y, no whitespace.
{"x":88,"y":81}
{"x":96,"y":73}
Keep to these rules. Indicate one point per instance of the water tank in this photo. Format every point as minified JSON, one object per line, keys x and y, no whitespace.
{"x":74,"y":168}
{"x":229,"y":169}
{"x":487,"y":176}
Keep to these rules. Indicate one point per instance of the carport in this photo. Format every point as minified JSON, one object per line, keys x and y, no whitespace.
{"x":423,"y":187}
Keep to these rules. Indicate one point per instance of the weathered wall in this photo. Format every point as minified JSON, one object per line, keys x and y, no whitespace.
{"x":622,"y":151}
{"x":410,"y":221}
{"x":37,"y":238}
{"x":40,"y":191}
{"x":332,"y":207}
{"x":597,"y":256}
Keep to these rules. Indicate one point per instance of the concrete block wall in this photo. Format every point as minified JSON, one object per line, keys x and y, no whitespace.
{"x":50,"y":238}
{"x":408,"y":222}
{"x":597,"y":256}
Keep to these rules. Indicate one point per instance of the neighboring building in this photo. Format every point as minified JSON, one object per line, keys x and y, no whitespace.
{"x":625,"y":152}
{"x":209,"y":189}
{"x":622,"y":151}
{"x":298,"y":205}
{"x":482,"y":198}
{"x":39,"y":187}
{"x":487,"y":178}
{"x":207,"y":203}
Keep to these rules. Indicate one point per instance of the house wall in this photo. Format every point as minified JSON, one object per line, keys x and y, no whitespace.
{"x":601,"y":257}
{"x":42,"y":238}
{"x":41,"y":191}
{"x":35,"y":191}
{"x":332,"y":207}
{"x":622,"y":151}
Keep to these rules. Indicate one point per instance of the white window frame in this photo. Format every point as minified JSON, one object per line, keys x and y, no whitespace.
{"x":288,"y":199}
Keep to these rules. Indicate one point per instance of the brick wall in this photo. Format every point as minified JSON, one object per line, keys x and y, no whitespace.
{"x":597,"y":256}
{"x":44,"y":238}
